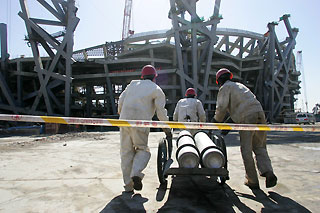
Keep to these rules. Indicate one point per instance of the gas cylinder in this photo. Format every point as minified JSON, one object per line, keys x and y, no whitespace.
{"x":187,"y":154}
{"x":210,"y":154}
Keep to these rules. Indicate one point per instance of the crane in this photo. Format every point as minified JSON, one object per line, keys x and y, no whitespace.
{"x":126,"y":31}
{"x":301,"y":70}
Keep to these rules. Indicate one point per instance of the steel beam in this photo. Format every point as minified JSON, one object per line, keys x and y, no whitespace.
{"x":4,"y":46}
{"x":110,"y":90}
{"x":173,"y":15}
{"x":65,"y":12}
{"x":200,"y":42}
{"x":277,"y":69}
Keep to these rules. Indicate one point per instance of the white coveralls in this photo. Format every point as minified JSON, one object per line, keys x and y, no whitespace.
{"x":139,"y":101}
{"x":189,"y":108}
{"x":244,"y":108}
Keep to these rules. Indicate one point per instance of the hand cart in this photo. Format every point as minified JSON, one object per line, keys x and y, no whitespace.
{"x":165,"y":161}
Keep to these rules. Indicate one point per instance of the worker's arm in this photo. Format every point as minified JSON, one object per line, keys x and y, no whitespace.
{"x":160,"y":102}
{"x":222,"y":104}
{"x":225,"y":131}
{"x":176,"y":112}
{"x":121,"y":100}
{"x":201,"y":112}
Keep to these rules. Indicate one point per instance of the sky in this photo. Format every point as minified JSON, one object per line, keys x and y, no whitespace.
{"x":101,"y":21}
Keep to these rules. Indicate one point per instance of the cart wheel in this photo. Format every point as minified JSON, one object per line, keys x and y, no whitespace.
{"x":222,"y":146}
{"x":161,"y":160}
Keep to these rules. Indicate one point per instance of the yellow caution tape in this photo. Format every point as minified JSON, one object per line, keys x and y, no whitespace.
{"x":264,"y":128}
{"x":158,"y":124}
{"x":58,"y":120}
{"x":176,"y":125}
{"x":115,"y":122}
{"x":224,"y":126}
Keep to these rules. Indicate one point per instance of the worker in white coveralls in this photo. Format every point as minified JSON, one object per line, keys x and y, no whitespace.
{"x":139,"y":101}
{"x":243,"y":107}
{"x":189,"y":109}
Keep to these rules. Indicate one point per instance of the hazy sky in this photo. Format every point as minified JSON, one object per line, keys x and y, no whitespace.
{"x":101,"y":21}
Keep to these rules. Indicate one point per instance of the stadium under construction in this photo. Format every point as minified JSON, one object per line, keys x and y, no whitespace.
{"x":88,"y":82}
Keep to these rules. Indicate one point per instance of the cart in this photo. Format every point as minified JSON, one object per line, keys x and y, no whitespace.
{"x":165,"y":161}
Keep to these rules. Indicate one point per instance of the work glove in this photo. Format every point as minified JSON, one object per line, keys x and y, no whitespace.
{"x":229,"y":120}
{"x":168,"y":132}
{"x":213,"y":120}
{"x":224,"y":132}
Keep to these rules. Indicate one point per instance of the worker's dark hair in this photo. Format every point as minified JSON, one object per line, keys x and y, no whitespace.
{"x":148,"y":77}
{"x":190,"y":96}
{"x":223,"y":78}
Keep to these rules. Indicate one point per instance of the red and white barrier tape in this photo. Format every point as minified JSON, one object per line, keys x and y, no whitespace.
{"x":157,"y":124}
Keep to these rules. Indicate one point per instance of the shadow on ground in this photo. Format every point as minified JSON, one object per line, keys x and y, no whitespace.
{"x":126,"y":202}
{"x":203,"y":194}
{"x":274,"y":202}
{"x":200,"y":194}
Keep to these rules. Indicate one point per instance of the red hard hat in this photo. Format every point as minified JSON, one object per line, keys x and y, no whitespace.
{"x":148,"y":70}
{"x":190,"y":91}
{"x":221,"y":72}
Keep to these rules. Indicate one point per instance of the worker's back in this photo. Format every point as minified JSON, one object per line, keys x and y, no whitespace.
{"x":140,"y":100}
{"x":238,"y":99}
{"x":189,"y":109}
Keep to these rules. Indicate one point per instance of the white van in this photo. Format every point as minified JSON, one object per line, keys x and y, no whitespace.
{"x":305,"y":118}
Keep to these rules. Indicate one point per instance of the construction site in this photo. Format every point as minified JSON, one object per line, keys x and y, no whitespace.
{"x":88,"y":82}
{"x":58,"y":166}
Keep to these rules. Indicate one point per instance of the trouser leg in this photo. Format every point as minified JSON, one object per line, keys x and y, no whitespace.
{"x":142,"y":156}
{"x":260,"y":148}
{"x":261,"y":154}
{"x":246,"y":152}
{"x":126,"y":154}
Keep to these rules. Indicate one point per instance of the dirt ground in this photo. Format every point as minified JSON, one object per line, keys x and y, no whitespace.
{"x":80,"y":172}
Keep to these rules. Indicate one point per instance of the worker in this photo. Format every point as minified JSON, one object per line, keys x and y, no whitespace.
{"x":139,"y":101}
{"x":189,"y":109}
{"x":243,"y":107}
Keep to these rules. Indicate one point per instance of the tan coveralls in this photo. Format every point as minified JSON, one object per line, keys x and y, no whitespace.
{"x":244,"y":108}
{"x":189,"y":107}
{"x":139,"y":101}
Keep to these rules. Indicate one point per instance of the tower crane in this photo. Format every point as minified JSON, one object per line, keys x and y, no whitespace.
{"x":301,"y":70}
{"x":126,"y":31}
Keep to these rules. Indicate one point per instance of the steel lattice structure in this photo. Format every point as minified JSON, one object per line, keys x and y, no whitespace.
{"x":55,"y":73}
{"x":194,"y":34}
{"x":187,"y":55}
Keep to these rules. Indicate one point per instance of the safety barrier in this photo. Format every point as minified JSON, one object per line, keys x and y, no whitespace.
{"x":157,"y":124}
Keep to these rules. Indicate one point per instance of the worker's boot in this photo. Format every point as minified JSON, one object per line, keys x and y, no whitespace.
{"x":137,"y":184}
{"x":252,"y":185}
{"x":271,"y":179}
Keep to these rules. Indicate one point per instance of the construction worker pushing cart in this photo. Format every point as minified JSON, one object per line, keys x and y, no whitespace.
{"x":237,"y":100}
{"x":139,"y":101}
{"x":189,"y":109}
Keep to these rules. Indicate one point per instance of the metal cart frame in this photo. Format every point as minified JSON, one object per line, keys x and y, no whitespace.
{"x":164,"y":162}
